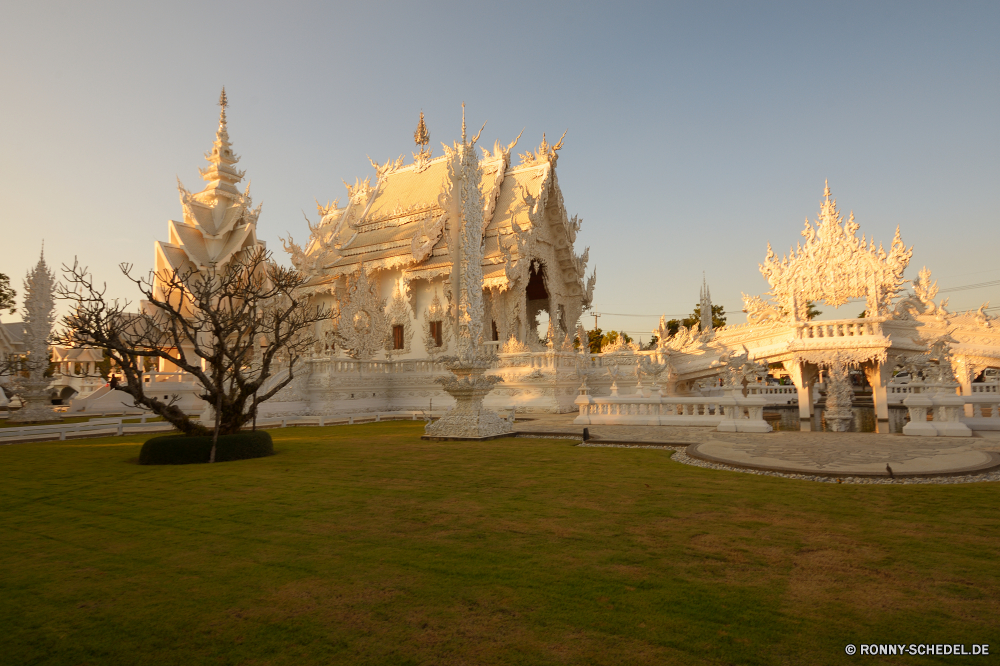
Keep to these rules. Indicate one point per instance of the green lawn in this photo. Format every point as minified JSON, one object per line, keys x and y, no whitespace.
{"x":366,"y":545}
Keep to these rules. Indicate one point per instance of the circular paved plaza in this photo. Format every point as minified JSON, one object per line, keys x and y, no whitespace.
{"x":811,"y":454}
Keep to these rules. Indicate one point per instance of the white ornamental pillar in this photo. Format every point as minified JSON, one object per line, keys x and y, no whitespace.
{"x":803,"y":376}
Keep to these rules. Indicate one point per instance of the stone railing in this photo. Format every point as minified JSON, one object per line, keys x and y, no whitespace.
{"x":180,"y":377}
{"x":897,"y":393}
{"x":983,"y":408}
{"x":728,"y":413}
{"x":773,"y":395}
{"x":943,"y":405}
{"x":838,"y":328}
{"x":100,"y":427}
{"x":350,"y":366}
{"x":541,"y":360}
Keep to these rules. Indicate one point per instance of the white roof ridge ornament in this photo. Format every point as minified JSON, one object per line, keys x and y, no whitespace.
{"x":833,"y":266}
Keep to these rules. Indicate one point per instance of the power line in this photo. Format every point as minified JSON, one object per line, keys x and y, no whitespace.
{"x":947,"y":290}
{"x":978,"y":285}
{"x":655,"y":316}
{"x":619,"y":314}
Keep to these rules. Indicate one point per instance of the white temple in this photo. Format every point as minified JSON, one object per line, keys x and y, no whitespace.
{"x":395,"y":241}
{"x":390,"y":265}
{"x":387,"y":265}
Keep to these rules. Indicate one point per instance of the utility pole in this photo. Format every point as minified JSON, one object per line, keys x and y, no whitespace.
{"x":596,"y":315}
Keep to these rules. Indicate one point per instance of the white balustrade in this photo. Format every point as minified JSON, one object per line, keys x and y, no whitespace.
{"x":94,"y":427}
{"x":728,"y":413}
{"x":839,"y":328}
{"x":985,"y":408}
{"x":177,"y":376}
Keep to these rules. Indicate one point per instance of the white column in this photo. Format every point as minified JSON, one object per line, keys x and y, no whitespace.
{"x":878,"y":375}
{"x":803,"y":376}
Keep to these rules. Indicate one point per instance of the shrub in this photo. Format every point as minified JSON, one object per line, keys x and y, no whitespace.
{"x":181,"y":450}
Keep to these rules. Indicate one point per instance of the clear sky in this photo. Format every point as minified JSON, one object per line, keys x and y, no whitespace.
{"x":697,"y":132}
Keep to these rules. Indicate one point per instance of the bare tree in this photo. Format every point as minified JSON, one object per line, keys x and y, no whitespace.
{"x":231,"y":328}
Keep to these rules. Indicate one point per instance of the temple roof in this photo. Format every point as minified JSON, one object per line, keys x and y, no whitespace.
{"x":402,"y":221}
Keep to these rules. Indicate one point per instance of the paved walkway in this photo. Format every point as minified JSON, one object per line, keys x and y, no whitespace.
{"x":797,"y":453}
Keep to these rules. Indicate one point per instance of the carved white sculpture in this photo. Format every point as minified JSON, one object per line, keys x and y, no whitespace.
{"x":436,"y":312}
{"x":839,"y":395}
{"x":470,"y":383}
{"x":362,"y":328}
{"x":741,"y":369}
{"x":398,"y":314}
{"x":834,"y":266}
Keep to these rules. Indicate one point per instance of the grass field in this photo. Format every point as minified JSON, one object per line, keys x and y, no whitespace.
{"x":366,"y":545}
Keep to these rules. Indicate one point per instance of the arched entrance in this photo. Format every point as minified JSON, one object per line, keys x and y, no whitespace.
{"x":537,"y":296}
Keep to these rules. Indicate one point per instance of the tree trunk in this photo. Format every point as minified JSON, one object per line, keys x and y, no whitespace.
{"x":218,"y":421}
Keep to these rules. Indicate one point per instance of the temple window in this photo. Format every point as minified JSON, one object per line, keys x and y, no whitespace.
{"x":436,"y":333}
{"x":397,"y":337}
{"x":496,"y":333}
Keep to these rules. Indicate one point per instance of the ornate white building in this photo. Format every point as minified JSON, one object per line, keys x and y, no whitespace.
{"x":388,"y":264}
{"x":385,"y":261}
{"x":833,"y":267}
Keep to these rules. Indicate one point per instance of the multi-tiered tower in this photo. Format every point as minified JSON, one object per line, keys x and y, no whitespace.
{"x":219,"y":222}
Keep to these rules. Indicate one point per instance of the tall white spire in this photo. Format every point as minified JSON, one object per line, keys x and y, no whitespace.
{"x":706,"y":306}
{"x":470,"y":292}
{"x":219,"y":221}
{"x":39,"y":315}
{"x":220,"y":174}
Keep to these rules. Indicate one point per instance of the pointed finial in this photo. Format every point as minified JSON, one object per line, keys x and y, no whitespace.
{"x":463,"y":122}
{"x":826,"y":188}
{"x":421,"y":137}
{"x":42,"y":255}
{"x":223,"y":102}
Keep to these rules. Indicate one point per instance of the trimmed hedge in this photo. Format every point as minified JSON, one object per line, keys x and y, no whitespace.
{"x":181,"y":450}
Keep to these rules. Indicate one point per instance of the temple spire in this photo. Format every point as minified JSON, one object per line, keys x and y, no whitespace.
{"x":705,"y":304}
{"x":421,"y":137}
{"x":220,"y":174}
{"x":223,"y":102}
